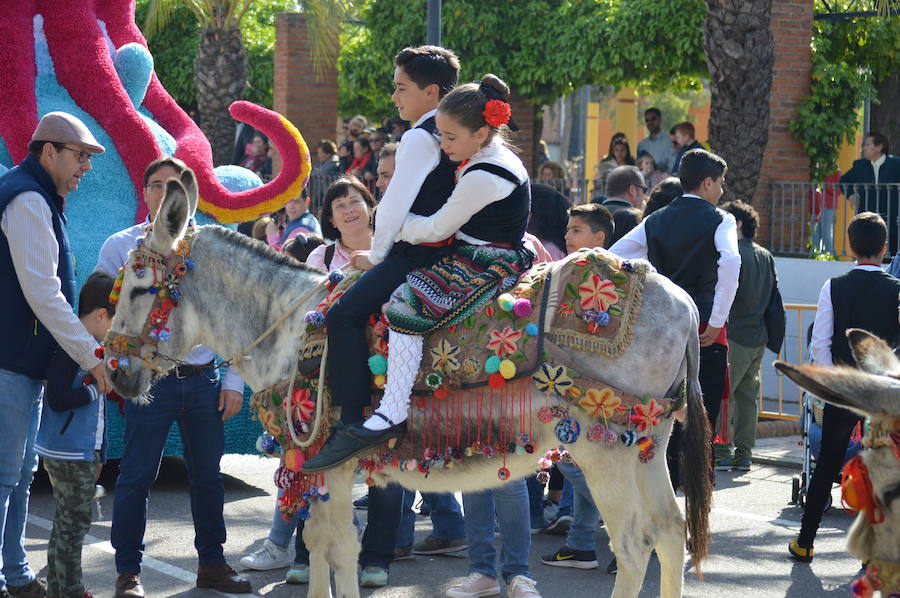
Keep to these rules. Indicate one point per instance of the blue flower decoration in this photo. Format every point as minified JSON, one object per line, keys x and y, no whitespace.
{"x":602,"y":318}
{"x":190,"y":264}
{"x":164,"y":335}
{"x":335,"y":276}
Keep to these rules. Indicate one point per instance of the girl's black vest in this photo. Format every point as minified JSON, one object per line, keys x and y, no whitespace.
{"x":502,"y":221}
{"x":28,"y":346}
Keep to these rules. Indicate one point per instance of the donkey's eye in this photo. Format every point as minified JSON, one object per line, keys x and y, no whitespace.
{"x":137,"y":293}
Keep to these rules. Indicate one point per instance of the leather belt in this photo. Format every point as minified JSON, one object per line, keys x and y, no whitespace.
{"x":187,"y":371}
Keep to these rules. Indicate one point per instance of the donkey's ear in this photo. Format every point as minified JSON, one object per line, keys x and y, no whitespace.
{"x":171,"y":220}
{"x":872,"y":354}
{"x":190,"y":186}
{"x":866,"y":394}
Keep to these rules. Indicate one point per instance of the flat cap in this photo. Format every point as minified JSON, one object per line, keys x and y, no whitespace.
{"x":62,"y":127}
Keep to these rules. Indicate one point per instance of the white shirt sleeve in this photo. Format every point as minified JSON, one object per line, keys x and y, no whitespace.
{"x":729,"y":271}
{"x":823,"y":328}
{"x":27,"y":224}
{"x":417,"y":155}
{"x":233,"y":381}
{"x":474,"y":191}
{"x":633,"y":245}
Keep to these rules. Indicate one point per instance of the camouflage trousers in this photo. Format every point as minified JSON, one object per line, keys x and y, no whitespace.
{"x":73,"y":490}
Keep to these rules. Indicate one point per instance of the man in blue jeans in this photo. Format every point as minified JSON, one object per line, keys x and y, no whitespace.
{"x":37,"y":275}
{"x":193,"y":396}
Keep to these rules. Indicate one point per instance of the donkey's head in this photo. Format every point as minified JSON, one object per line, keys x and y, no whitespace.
{"x":872,"y":391}
{"x":148,"y":331}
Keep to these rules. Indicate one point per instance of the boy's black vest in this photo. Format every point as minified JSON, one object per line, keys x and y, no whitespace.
{"x":863,"y":299}
{"x":28,"y":346}
{"x":433,"y":194}
{"x":681,"y":246}
{"x":502,"y":221}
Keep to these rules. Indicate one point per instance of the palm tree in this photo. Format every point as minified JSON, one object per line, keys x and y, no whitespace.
{"x":220,"y":67}
{"x":740,"y":52}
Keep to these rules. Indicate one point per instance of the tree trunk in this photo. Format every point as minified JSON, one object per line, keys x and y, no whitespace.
{"x":885,"y":116}
{"x":740,"y":53}
{"x":220,"y":74}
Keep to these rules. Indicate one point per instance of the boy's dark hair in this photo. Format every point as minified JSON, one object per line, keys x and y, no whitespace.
{"x":867,"y":233}
{"x":686,"y":128}
{"x":328,"y":146}
{"x":662,"y":195}
{"x":36,"y":147}
{"x":430,"y":65}
{"x":746,"y":214}
{"x":624,"y":220}
{"x":880,"y":139}
{"x":170,"y":161}
{"x":597,"y":218}
{"x":341,"y":188}
{"x":302,"y":245}
{"x":698,"y":164}
{"x":95,"y":294}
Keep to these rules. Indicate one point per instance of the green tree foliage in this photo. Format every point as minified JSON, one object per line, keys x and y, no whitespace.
{"x":848,"y":59}
{"x":175,"y":47}
{"x":542,"y":48}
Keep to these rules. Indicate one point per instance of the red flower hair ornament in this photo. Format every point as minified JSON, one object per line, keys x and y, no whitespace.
{"x":497,"y":113}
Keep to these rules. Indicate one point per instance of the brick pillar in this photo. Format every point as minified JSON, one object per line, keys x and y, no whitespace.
{"x":310,"y":103}
{"x":524,"y":114}
{"x":784,"y":158}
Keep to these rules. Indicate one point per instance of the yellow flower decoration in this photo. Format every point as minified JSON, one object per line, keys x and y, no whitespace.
{"x":444,"y":356}
{"x":600,"y":403}
{"x":552,"y":379}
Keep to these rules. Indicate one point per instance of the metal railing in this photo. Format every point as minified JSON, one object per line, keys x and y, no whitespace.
{"x":806,"y":218}
{"x":784,"y":403}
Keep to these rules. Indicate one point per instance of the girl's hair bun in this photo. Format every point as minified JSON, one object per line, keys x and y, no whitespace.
{"x":494,"y":88}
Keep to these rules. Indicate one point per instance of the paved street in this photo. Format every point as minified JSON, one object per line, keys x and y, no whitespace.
{"x":752,"y":524}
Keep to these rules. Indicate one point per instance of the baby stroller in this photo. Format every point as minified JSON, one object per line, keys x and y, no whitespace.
{"x":811,"y":435}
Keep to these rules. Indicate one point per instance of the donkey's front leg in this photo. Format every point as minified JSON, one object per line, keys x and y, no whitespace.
{"x":315,"y":536}
{"x":343,"y":543}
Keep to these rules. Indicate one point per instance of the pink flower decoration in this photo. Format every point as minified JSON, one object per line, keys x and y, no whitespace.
{"x":503,"y":343}
{"x":597,"y":294}
{"x":303,"y":405}
{"x":646,"y":416}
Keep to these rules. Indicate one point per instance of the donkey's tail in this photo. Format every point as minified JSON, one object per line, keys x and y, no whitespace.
{"x":695,"y":458}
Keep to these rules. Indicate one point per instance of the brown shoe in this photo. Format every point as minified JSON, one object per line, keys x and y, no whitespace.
{"x":223,"y":578}
{"x":36,"y":588}
{"x":128,"y":585}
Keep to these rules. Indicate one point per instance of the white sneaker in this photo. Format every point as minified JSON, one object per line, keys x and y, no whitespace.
{"x":268,"y":557}
{"x":520,"y":586}
{"x":475,"y":585}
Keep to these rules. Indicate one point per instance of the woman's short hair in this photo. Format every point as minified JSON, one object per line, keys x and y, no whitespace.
{"x":341,"y":188}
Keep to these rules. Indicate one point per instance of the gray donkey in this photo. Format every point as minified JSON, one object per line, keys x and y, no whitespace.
{"x":873,"y":390}
{"x":238,"y":288}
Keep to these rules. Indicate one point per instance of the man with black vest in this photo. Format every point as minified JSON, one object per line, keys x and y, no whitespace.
{"x":37,"y":275}
{"x":694,"y":244}
{"x":865,"y":297}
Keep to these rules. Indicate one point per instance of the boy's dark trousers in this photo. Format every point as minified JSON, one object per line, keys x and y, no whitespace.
{"x":713,"y":375}
{"x":73,"y":490}
{"x":348,"y":352}
{"x":837,"y":425}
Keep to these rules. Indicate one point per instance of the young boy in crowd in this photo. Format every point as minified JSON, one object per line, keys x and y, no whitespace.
{"x":694,"y":244}
{"x":684,"y":137}
{"x":72,"y":443}
{"x":865,"y":297}
{"x":590,"y":225}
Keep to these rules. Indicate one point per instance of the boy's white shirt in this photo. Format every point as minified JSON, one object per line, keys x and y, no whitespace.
{"x":417,"y":155}
{"x":472,"y":193}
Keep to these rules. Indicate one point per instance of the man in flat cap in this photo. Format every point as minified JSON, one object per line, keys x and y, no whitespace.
{"x":37,"y":275}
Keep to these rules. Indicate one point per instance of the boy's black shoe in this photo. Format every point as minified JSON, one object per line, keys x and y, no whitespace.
{"x":567,"y":557}
{"x":613,"y":567}
{"x":347,"y":442}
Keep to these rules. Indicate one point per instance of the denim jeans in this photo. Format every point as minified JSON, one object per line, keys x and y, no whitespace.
{"x":585,"y":515}
{"x":567,"y":500}
{"x":447,"y":522}
{"x":509,"y":505}
{"x":192,"y":402}
{"x":20,"y":403}
{"x":535,"y":502}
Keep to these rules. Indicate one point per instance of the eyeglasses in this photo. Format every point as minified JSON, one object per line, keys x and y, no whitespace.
{"x":83,"y":157}
{"x":641,"y":187}
{"x":156,"y":185}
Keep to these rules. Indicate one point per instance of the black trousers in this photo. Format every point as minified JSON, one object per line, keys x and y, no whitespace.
{"x":837,"y":425}
{"x":348,"y":353}
{"x":713,"y":372}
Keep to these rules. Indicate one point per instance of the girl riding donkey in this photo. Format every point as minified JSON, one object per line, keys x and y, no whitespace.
{"x":487,"y":213}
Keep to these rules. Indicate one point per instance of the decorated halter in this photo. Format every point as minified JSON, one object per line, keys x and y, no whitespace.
{"x":167,"y":272}
{"x":858,"y":495}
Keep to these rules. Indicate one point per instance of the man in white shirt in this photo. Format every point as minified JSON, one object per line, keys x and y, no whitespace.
{"x":191,"y":395}
{"x":37,"y":274}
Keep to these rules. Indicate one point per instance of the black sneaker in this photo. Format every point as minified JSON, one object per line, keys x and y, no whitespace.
{"x":362,"y":502}
{"x":559,"y":526}
{"x":567,"y":557}
{"x":613,"y":567}
{"x":36,"y":588}
{"x":4,"y":593}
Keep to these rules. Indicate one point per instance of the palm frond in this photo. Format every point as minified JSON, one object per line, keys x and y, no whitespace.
{"x":324,"y":19}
